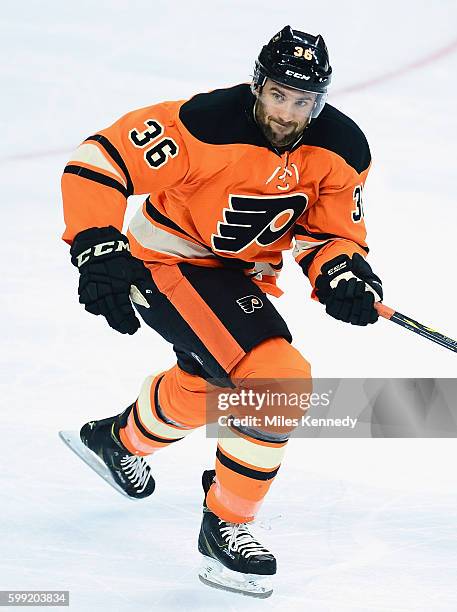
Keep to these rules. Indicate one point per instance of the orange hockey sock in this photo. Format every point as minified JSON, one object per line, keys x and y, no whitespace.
{"x":248,"y":460}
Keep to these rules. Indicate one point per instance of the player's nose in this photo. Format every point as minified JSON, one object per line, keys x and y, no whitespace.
{"x":286,"y":114}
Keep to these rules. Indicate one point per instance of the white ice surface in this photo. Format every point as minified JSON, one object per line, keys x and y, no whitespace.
{"x":363,"y":524}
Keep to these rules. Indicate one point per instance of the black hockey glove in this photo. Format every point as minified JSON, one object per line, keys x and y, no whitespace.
{"x":107,"y":269}
{"x":349,"y":288}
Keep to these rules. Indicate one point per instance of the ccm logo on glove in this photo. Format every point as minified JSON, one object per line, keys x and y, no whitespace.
{"x":108,"y":276}
{"x":102,"y":249}
{"x":337,"y":268}
{"x":349,"y":288}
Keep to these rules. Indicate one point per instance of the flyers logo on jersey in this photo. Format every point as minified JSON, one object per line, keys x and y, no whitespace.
{"x":261,"y":220}
{"x":249,"y":302}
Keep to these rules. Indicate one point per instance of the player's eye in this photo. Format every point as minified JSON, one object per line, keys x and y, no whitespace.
{"x":277,"y":96}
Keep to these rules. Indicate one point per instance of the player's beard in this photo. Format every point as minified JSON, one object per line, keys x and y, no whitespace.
{"x":269,"y":126}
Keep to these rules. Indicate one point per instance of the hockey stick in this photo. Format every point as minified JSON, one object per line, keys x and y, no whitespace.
{"x":416,"y":327}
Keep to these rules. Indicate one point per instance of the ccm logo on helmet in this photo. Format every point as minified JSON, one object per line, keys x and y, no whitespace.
{"x":297,"y":75}
{"x":102,"y":249}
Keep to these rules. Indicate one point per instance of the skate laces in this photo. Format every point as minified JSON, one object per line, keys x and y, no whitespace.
{"x":240,"y":539}
{"x":137,"y":471}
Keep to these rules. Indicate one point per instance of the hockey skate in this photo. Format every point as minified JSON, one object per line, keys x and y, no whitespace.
{"x":233,"y":560}
{"x":98,"y":445}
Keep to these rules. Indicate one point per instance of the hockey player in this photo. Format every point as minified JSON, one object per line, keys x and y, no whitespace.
{"x":235,"y":176}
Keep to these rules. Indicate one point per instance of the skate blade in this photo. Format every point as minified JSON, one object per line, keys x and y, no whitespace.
{"x":214,"y":574}
{"x":73,"y":441}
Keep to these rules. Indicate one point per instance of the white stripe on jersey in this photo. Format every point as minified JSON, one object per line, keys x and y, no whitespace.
{"x":90,"y":154}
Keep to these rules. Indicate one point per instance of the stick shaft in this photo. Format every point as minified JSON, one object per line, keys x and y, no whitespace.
{"x":416,"y":327}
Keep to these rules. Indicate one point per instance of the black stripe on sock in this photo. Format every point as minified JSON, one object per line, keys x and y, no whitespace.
{"x":156,"y":402}
{"x":116,"y":156}
{"x":158,"y":408}
{"x":97,"y":177}
{"x":256,"y":434}
{"x":148,"y":434}
{"x":244,"y":471}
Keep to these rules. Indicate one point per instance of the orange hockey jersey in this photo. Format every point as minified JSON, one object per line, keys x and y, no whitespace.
{"x":219,"y":193}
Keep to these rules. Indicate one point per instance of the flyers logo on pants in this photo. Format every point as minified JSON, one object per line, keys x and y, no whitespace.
{"x":261,"y":219}
{"x":249,"y":303}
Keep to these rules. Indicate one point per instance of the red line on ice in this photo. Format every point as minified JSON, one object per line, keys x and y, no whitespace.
{"x":428,"y":59}
{"x":419,"y":63}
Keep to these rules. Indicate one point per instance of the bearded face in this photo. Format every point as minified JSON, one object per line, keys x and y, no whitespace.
{"x":282,"y":113}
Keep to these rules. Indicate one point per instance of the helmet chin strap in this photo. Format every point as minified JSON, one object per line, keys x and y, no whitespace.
{"x":256,"y":88}
{"x":254,"y":110}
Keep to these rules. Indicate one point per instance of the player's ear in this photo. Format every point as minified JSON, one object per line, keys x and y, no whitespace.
{"x":255,"y":89}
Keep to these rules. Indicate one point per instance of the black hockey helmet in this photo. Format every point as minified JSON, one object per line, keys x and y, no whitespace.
{"x":297,"y":60}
